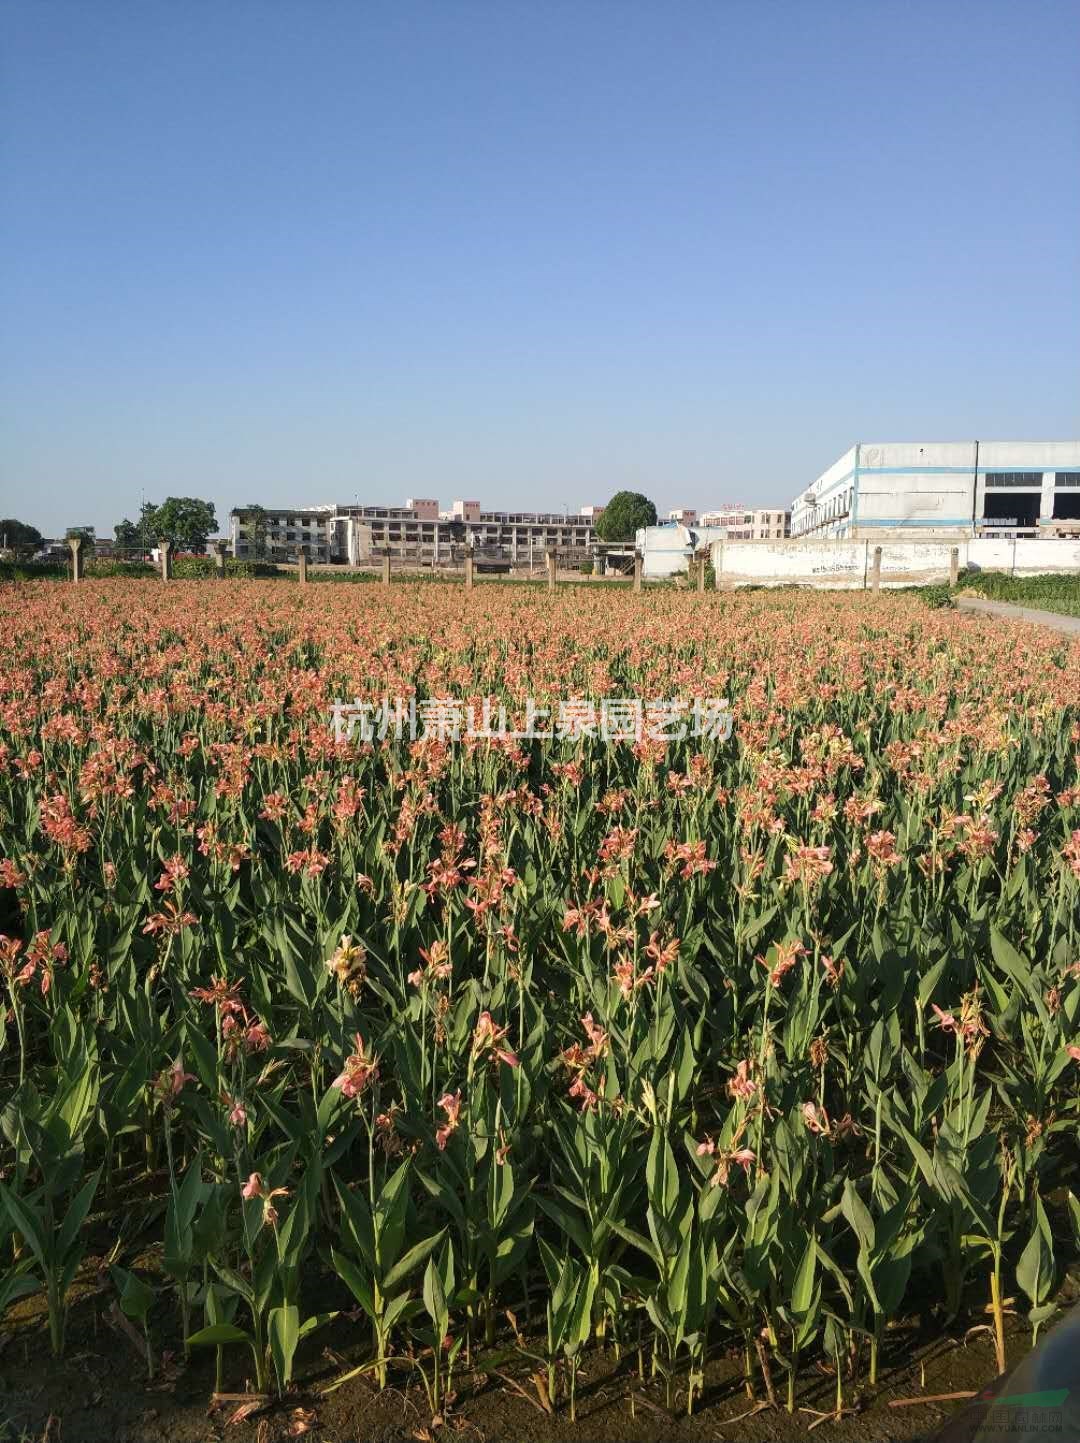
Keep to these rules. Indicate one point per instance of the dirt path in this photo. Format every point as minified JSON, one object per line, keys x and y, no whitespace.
{"x":1070,"y":625}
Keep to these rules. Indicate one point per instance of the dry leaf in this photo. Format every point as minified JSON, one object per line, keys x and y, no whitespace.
{"x":302,"y":1421}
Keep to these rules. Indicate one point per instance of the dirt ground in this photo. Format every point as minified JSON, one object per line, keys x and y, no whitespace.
{"x":100,"y":1392}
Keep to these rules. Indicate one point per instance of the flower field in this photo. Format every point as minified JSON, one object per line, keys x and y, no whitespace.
{"x":515,"y":1049}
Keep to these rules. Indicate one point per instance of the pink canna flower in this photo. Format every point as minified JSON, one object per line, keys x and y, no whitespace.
{"x":742,"y":1086}
{"x":1074,"y":1053}
{"x":834,"y":971}
{"x":946,"y":1021}
{"x":882,"y":849}
{"x":787,"y":955}
{"x":348,"y":965}
{"x":817,"y":1122}
{"x":487,"y":1037}
{"x":359,"y":1071}
{"x":171,"y":1082}
{"x":253,"y":1188}
{"x":583,"y":1094}
{"x":437,"y":966}
{"x":808,"y":865}
{"x":450,"y":1102}
{"x":664,"y":954}
{"x":237,"y":1111}
{"x":598,"y":1038}
{"x":256,"y":1188}
{"x":743,"y":1157}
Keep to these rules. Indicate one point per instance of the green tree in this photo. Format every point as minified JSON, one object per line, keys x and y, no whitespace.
{"x":253,"y":518}
{"x":625,"y":513}
{"x":185,"y":521}
{"x":18,"y":533}
{"x":147,"y":526}
{"x":128,"y":535}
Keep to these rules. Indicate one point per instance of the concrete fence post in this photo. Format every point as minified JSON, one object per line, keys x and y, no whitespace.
{"x":219,"y":559}
{"x":76,"y":545}
{"x":701,"y":573}
{"x":386,"y":567}
{"x":469,"y":568}
{"x":954,"y":566}
{"x":301,"y":565}
{"x":637,"y":570}
{"x":552,"y":568}
{"x":875,"y":570}
{"x":165,"y":552}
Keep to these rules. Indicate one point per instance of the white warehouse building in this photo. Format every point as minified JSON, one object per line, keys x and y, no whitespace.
{"x":918,"y":491}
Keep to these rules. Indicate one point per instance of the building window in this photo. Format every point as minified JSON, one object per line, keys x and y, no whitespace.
{"x":1067,"y":478}
{"x":1013,"y":478}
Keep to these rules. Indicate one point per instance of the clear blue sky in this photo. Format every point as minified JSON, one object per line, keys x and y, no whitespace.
{"x":528,"y":253}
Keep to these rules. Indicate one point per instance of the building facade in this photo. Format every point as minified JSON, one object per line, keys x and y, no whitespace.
{"x":930,"y":490}
{"x":741,"y":523}
{"x":417,"y":532}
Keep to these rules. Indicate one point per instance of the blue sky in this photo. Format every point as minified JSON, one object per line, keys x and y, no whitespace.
{"x":527,"y":253}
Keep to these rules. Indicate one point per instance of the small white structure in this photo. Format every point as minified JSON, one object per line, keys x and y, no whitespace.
{"x":667,"y":550}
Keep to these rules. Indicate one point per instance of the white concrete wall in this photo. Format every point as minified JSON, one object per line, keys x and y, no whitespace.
{"x":847,"y":565}
{"x":912,"y":486}
{"x":1029,"y":455}
{"x":1027,"y":556}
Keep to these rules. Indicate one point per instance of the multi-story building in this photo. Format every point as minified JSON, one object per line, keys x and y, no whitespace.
{"x":741,"y":523}
{"x":275,"y":533}
{"x":948,"y":489}
{"x":418,"y":532}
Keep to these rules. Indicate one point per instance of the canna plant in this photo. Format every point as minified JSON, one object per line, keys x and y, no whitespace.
{"x":372,"y":1257}
{"x":568,"y":1311}
{"x":267,"y":1280}
{"x":55,"y":1242}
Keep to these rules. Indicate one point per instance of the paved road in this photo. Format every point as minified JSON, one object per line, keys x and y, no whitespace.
{"x":1068,"y":624}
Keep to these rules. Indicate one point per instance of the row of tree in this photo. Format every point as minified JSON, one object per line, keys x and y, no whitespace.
{"x":188,"y":523}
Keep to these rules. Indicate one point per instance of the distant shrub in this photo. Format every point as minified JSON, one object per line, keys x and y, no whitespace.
{"x":111,"y":566}
{"x":938,"y":596}
{"x":33,"y":571}
{"x":346,"y":575}
{"x":204,"y":568}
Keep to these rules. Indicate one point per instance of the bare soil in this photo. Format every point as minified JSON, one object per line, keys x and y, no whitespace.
{"x":100,"y":1392}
